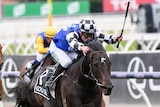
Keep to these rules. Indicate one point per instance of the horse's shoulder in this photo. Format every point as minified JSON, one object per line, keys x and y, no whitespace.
{"x":76,"y":62}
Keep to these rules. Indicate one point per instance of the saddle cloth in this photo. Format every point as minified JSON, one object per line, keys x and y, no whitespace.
{"x":39,"y":87}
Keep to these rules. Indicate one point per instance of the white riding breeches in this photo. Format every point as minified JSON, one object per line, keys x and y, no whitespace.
{"x":65,"y":58}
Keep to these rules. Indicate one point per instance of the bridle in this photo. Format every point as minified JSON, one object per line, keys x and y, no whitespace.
{"x":90,"y":74}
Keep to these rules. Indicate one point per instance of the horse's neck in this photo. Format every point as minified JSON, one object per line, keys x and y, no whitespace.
{"x":83,"y":80}
{"x":84,"y":66}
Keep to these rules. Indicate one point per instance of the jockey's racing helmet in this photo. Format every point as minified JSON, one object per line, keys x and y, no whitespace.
{"x":87,"y":26}
{"x":50,"y":31}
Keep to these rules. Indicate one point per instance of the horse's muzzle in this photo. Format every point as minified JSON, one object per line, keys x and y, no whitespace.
{"x":107,"y":90}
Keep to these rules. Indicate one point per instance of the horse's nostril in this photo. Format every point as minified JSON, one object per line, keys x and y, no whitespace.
{"x":108,"y":90}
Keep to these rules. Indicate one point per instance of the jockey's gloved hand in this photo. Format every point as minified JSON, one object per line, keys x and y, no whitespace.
{"x":119,"y":38}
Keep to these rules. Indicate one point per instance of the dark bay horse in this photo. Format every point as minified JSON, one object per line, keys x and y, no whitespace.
{"x":82,"y":85}
{"x":1,"y":62}
{"x":86,"y":80}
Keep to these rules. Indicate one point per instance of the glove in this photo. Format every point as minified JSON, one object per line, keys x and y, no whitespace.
{"x":119,"y":38}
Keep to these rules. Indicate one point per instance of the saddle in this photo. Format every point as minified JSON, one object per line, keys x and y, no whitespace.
{"x":40,"y":87}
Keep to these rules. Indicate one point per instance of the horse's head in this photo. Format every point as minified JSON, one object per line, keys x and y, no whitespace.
{"x":100,"y":67}
{"x":1,"y":59}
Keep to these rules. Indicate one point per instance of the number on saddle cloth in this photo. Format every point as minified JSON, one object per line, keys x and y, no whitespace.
{"x":40,"y":87}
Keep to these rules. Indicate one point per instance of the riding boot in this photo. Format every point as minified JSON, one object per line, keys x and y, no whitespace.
{"x":56,"y":74}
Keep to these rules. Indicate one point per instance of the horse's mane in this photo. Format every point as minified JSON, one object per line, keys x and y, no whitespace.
{"x":96,"y":45}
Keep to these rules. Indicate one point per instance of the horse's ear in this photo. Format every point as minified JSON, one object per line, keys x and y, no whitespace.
{"x":96,"y":45}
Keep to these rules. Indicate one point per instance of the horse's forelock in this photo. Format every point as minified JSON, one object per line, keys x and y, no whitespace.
{"x":96,"y":45}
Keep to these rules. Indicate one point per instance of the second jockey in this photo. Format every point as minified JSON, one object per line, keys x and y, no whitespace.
{"x":42,"y":44}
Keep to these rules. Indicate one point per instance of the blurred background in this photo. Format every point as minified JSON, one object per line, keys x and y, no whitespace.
{"x":22,"y":20}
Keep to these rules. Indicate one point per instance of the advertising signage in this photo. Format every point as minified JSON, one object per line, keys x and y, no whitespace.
{"x":41,"y":8}
{"x":120,"y":5}
{"x":123,"y":91}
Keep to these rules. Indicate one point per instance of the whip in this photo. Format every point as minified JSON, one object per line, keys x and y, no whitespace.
{"x":124,"y":22}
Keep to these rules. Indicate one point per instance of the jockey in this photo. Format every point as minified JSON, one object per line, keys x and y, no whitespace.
{"x":68,"y":41}
{"x":42,"y":43}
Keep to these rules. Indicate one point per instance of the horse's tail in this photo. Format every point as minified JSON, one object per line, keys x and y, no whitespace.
{"x":21,"y":93}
